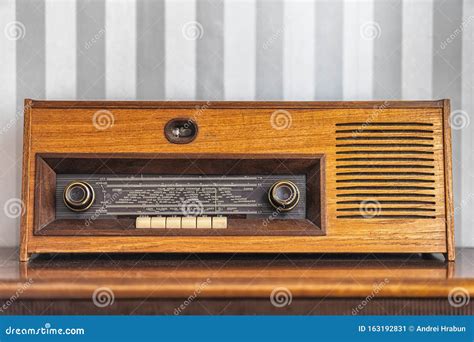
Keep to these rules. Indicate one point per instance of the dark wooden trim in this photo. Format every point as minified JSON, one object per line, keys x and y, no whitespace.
{"x":48,"y":165}
{"x":448,"y":180}
{"x":237,"y":104}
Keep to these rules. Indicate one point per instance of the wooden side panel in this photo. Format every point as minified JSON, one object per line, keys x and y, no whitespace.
{"x":276,"y":129}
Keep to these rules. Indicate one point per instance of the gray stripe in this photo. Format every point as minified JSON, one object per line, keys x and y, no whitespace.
{"x":90,"y":49}
{"x":388,"y":50}
{"x":210,"y":51}
{"x":328,"y":23}
{"x":270,"y":31}
{"x":447,"y":68}
{"x":150,"y":49}
{"x":30,"y":52}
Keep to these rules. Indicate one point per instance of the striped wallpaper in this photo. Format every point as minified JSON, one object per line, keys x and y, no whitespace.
{"x":236,"y":50}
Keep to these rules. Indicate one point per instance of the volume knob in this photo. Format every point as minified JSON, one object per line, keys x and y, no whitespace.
{"x":78,"y":196}
{"x":284,"y":195}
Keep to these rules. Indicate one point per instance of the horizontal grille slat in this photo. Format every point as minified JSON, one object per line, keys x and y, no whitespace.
{"x":384,"y":138}
{"x":387,"y":216}
{"x":384,"y":124}
{"x":388,"y":170}
{"x":384,"y":152}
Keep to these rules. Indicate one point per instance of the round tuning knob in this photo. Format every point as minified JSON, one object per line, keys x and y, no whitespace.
{"x":78,"y":196}
{"x":284,"y":195}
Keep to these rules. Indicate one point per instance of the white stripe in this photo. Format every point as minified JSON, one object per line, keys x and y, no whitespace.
{"x":465,"y":235}
{"x":60,"y":49}
{"x":298,"y":50}
{"x":180,"y":49}
{"x":417,"y":50}
{"x":10,"y":124}
{"x":240,"y":50}
{"x":120,"y":49}
{"x":358,"y":53}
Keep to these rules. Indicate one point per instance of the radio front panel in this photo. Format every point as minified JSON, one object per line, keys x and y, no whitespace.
{"x":320,"y":177}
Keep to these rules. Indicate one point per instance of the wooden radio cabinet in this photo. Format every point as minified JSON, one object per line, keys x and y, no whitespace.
{"x":218,"y":177}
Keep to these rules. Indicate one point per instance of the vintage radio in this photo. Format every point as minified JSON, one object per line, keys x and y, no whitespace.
{"x":213,"y":177}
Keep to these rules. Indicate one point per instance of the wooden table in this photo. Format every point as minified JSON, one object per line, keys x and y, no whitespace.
{"x":306,"y":284}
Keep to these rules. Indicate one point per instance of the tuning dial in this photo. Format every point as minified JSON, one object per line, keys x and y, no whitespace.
{"x":284,"y":195}
{"x":78,"y":196}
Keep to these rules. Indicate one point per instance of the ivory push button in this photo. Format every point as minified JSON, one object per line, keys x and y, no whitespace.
{"x":143,"y":222}
{"x":158,"y":222}
{"x":188,"y":222}
{"x":219,"y":222}
{"x":204,"y":222}
{"x":173,"y":222}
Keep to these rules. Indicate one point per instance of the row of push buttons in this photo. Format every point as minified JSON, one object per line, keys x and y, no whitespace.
{"x":181,"y":222}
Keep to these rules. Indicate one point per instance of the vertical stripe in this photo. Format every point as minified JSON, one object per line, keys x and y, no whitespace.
{"x":90,"y":49}
{"x":360,"y":31}
{"x":239,"y":50}
{"x":465,"y":236}
{"x":447,"y":63}
{"x":417,"y":50}
{"x":120,"y":49}
{"x":10,"y":121}
{"x":298,"y":52}
{"x":30,"y":54}
{"x":328,"y":23}
{"x":388,"y":50}
{"x":210,"y":50}
{"x":182,"y":31}
{"x":60,"y":49}
{"x":270,"y":50}
{"x":150,"y":49}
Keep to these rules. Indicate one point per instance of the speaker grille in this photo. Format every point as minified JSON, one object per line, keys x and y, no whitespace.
{"x":385,"y":170}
